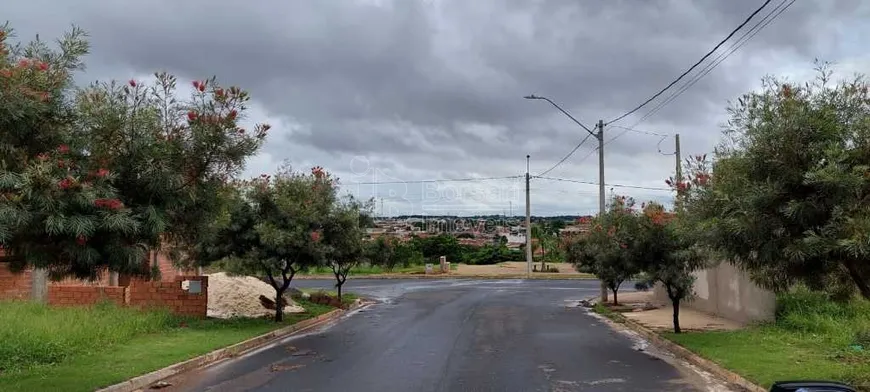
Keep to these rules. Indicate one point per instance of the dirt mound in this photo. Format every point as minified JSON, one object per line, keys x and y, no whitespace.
{"x":239,"y":296}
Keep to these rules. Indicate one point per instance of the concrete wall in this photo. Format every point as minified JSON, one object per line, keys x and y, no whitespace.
{"x":727,"y":292}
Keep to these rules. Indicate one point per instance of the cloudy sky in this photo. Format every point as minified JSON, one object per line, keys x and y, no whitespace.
{"x":398,"y":91}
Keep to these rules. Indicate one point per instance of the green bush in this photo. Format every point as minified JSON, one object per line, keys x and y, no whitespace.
{"x":34,"y":334}
{"x":815,"y":312}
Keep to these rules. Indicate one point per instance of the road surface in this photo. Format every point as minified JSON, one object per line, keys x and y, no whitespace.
{"x":456,"y":335}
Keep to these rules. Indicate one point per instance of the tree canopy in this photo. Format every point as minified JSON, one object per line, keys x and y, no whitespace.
{"x":96,"y":178}
{"x":787,"y":197}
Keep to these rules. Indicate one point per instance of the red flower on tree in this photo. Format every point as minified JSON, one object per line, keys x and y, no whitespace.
{"x":318,"y":172}
{"x":81,"y":240}
{"x":191,"y":115}
{"x":112,"y":204}
{"x":315,"y":236}
{"x":232,"y":114}
{"x":199,"y":85}
{"x":63,"y":149}
{"x":42,"y":157}
{"x":101,"y":172}
{"x":42,"y":66}
{"x":132,"y":83}
{"x":66,"y":183}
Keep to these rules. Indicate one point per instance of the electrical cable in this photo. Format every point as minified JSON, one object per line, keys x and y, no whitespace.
{"x":656,"y":95}
{"x":606,"y":184}
{"x":430,"y":181}
{"x":737,"y":44}
{"x":566,"y":156}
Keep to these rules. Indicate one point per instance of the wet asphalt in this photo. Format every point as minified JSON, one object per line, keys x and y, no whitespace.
{"x":463,"y":335}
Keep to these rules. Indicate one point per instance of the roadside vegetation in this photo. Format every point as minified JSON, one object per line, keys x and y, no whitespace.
{"x":83,"y":348}
{"x":812,"y":338}
{"x":784,"y":198}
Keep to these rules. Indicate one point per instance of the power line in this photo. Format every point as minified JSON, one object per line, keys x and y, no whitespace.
{"x":662,"y":137}
{"x":656,"y":95}
{"x":736,"y":45}
{"x":611,"y":185}
{"x":627,"y":129}
{"x":430,"y":181}
{"x":566,"y":156}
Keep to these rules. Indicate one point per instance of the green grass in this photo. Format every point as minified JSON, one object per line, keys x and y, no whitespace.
{"x":81,"y":349}
{"x":607,"y":312}
{"x":812,"y":338}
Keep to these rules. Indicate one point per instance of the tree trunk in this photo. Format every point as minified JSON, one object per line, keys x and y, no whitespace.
{"x":859,"y":280}
{"x":279,"y":306}
{"x":615,"y":299}
{"x":676,"y":304}
{"x":338,"y":289}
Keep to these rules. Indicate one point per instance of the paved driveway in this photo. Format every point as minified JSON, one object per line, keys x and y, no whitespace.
{"x":464,"y":335}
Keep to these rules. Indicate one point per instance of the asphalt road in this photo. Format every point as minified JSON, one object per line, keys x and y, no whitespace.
{"x":465,"y":335}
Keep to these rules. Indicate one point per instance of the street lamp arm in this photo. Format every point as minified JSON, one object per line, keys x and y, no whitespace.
{"x":563,"y":111}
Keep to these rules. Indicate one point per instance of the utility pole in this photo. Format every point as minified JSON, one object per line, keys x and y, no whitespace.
{"x":600,"y":136}
{"x":528,"y":224}
{"x":679,"y":158}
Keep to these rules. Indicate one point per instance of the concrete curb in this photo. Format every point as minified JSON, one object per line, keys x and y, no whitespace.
{"x":689,"y":356}
{"x":143,"y":381}
{"x":435,"y":277}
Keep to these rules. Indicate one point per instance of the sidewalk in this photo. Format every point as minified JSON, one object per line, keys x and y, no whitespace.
{"x":659,"y":317}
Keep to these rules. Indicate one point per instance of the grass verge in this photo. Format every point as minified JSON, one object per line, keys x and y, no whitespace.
{"x":812,"y":338}
{"x":85,"y":348}
{"x":606,"y":311}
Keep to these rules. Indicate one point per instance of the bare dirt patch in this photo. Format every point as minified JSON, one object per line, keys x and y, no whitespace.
{"x":239,"y":296}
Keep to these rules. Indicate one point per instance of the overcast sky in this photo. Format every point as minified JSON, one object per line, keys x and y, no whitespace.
{"x":404,"y":90}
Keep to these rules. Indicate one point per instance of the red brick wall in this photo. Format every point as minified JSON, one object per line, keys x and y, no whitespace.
{"x":168,"y":272}
{"x":169,"y":294}
{"x":84,"y":295}
{"x":14,"y":286}
{"x":102,"y":280}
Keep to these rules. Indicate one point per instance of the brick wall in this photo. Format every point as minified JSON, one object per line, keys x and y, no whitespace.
{"x":84,"y":295}
{"x":14,"y":286}
{"x":171,"y":295}
{"x":102,"y":280}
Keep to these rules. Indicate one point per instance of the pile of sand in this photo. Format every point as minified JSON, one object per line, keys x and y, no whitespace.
{"x":239,"y":296}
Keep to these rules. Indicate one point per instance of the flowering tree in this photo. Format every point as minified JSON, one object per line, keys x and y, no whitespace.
{"x":788,"y":195}
{"x":58,"y":209}
{"x":608,"y":250}
{"x":172,"y":157}
{"x":275,"y":227}
{"x":668,"y":253}
{"x":96,"y":178}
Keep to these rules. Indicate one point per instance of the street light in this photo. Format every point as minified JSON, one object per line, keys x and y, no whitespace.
{"x":600,"y":136}
{"x":533,"y":96}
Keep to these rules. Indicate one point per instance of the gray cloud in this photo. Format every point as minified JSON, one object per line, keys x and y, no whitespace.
{"x":432,"y":88}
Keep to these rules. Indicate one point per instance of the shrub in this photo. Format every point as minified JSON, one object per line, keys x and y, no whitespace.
{"x":814,"y":312}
